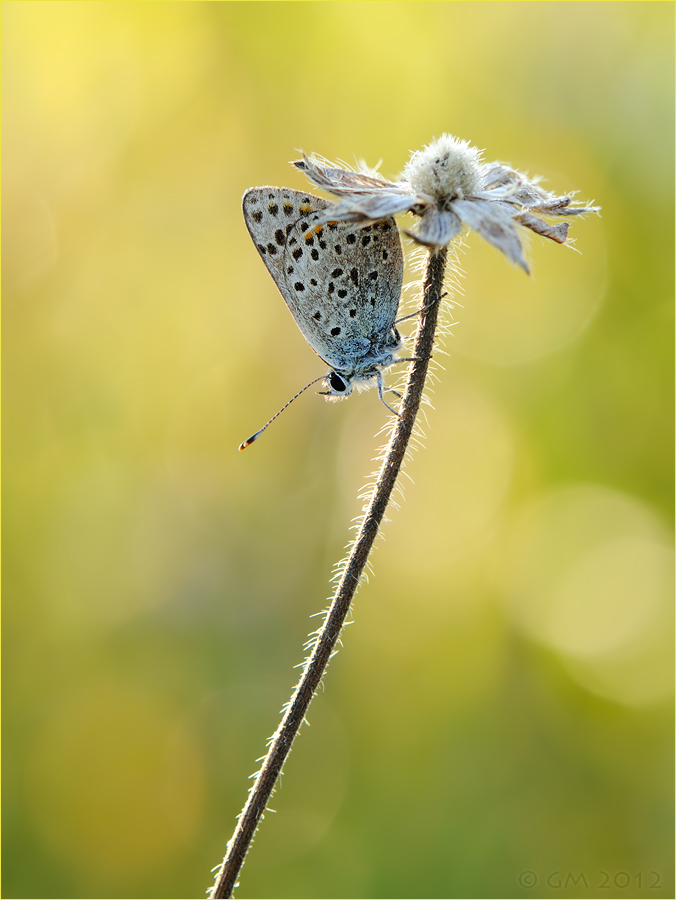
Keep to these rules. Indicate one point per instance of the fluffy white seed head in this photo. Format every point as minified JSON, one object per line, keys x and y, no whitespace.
{"x":445,"y":169}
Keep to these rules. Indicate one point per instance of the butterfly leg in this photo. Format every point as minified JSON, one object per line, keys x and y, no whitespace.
{"x":379,"y":377}
{"x":411,"y":359}
{"x":421,"y":310}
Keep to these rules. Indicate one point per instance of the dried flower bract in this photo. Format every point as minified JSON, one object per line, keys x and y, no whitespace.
{"x":448,"y":185}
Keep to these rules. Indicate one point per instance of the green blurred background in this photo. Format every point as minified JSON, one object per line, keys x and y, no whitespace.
{"x":502,"y":704}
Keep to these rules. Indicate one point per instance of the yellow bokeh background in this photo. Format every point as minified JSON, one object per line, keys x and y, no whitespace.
{"x":502,"y":702}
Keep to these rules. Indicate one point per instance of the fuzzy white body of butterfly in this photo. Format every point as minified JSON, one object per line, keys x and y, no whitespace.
{"x":341,"y":283}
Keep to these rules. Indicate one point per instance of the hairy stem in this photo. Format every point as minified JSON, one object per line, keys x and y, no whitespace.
{"x":327,"y":637}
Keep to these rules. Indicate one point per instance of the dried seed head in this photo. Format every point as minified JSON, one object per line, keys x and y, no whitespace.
{"x":448,"y":185}
{"x":446,"y":169}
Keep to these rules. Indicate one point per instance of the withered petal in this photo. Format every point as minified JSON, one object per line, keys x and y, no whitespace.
{"x":436,"y":228}
{"x":495,"y":225}
{"x":358,"y":208}
{"x":557,"y":233}
{"x":343,"y":181}
{"x":561,"y":209}
{"x":495,"y":174}
{"x":379,"y":206}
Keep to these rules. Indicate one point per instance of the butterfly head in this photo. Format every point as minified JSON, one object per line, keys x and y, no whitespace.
{"x":339,"y":386}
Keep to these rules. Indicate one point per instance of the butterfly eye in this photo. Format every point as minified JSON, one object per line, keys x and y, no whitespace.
{"x":336,"y":382}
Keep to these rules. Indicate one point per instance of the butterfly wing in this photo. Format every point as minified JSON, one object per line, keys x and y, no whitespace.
{"x":342,"y":283}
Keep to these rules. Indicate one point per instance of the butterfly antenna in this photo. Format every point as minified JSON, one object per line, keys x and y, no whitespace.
{"x":254,"y":437}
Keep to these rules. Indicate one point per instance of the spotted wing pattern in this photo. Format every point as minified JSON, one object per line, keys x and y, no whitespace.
{"x":342,"y":283}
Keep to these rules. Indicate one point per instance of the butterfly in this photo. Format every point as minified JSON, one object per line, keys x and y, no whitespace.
{"x":341,"y":283}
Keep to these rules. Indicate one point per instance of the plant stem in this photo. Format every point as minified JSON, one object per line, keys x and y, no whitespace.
{"x":327,"y":637}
